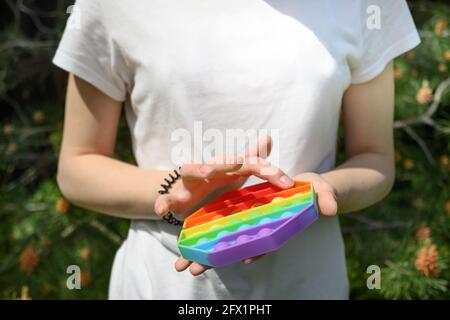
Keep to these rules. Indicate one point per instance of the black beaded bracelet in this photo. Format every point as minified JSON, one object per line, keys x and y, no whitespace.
{"x":169,"y":217}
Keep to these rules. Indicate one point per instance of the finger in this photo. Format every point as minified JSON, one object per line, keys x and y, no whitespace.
{"x":162,"y":205}
{"x":182,"y":264}
{"x":327,"y":203}
{"x":260,"y":149}
{"x":197,"y":269}
{"x":168,"y":202}
{"x":253,"y":259}
{"x":209,"y":170}
{"x":266,"y":171}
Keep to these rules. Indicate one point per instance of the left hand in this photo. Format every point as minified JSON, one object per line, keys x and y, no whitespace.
{"x":326,"y":195}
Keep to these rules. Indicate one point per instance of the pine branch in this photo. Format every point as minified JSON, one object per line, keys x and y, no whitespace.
{"x":426,"y":119}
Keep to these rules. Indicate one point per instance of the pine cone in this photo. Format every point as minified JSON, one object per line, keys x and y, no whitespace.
{"x":422,"y":261}
{"x":426,"y":262}
{"x":445,"y":161}
{"x":398,"y":73}
{"x":62,"y":205}
{"x":408,"y":164}
{"x":38,"y":116}
{"x":424,"y":95}
{"x":85,"y":254}
{"x":8,"y":129}
{"x":85,"y":278}
{"x":440,"y":26}
{"x":442,"y":68}
{"x":423,"y":233}
{"x":447,"y":55}
{"x":29,"y":260}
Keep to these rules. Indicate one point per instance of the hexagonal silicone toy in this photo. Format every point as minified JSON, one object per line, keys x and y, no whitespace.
{"x":247,"y":222}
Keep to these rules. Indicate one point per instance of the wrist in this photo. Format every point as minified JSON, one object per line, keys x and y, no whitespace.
{"x":166,"y":187}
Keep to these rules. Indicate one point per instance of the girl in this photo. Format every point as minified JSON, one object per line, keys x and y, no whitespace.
{"x":283,"y":65}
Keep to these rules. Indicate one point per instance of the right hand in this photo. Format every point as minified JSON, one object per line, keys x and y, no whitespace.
{"x":198,"y":181}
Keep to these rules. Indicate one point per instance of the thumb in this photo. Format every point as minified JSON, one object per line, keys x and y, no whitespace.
{"x":327,"y":203}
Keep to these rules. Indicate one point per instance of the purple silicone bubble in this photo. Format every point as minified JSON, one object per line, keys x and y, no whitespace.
{"x":264,"y":232}
{"x":221,"y":245}
{"x":242,"y":239}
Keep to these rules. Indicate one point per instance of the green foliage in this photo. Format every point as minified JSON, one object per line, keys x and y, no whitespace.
{"x":42,"y":234}
{"x":402,"y":282}
{"x":385,"y":234}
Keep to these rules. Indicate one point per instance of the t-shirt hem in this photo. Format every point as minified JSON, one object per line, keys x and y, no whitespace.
{"x":395,"y":50}
{"x":72,"y":65}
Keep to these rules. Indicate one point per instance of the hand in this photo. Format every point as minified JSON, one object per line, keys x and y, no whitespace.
{"x":326,"y":203}
{"x":198,"y":181}
{"x":325,"y":193}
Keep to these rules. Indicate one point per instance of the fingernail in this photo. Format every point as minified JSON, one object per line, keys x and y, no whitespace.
{"x":160,"y":210}
{"x":286,"y":181}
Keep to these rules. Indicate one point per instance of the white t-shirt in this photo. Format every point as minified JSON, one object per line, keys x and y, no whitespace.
{"x":232,"y":64}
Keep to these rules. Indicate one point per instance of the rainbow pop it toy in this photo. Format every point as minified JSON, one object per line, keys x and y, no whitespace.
{"x":247,"y":222}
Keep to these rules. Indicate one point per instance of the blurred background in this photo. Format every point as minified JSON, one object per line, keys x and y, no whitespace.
{"x":41,"y":233}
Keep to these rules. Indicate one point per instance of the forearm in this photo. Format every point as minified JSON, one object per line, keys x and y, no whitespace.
{"x":109,"y":186}
{"x":362,"y":180}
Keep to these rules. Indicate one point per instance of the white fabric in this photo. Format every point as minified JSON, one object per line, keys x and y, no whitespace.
{"x":253,"y":64}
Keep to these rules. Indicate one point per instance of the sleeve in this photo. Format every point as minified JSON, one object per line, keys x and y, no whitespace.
{"x":387,"y":31}
{"x":87,"y":50}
